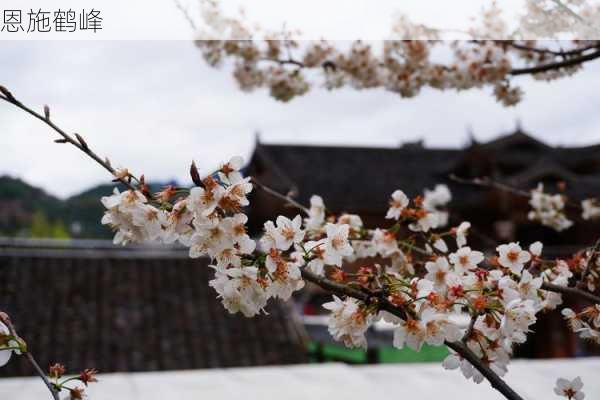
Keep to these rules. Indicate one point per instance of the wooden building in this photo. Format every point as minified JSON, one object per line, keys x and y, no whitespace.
{"x":88,"y":304}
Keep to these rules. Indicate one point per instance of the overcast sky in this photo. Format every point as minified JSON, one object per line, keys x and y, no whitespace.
{"x":154,"y":106}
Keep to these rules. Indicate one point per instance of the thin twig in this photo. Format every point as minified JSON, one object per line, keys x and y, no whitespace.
{"x":66,"y":138}
{"x":488,"y":183}
{"x":4,"y":318}
{"x":280,"y":196}
{"x":543,"y":50}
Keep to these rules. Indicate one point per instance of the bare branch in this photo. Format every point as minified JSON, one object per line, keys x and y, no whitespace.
{"x":78,"y":142}
{"x":4,"y":318}
{"x":280,"y":196}
{"x":571,"y":291}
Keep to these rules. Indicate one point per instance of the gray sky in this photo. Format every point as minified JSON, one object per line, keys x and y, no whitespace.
{"x":154,"y":106}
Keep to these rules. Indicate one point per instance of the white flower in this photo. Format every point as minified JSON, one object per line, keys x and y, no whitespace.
{"x":317,"y":251}
{"x":288,"y":232}
{"x":488,"y":326}
{"x":268,"y":239}
{"x":316,"y":214}
{"x":512,"y":257}
{"x":465,"y":259}
{"x":439,"y":196}
{"x":240,"y":290}
{"x":336,"y":243}
{"x":132,"y":219}
{"x":230,"y":171}
{"x":529,"y":286}
{"x":509,"y":290}
{"x":441,"y":245}
{"x":575,"y":323}
{"x":348,"y":322}
{"x":432,"y":328}
{"x":454,"y":361}
{"x":5,"y":354}
{"x":433,"y":200}
{"x":569,"y":389}
{"x":398,"y":203}
{"x":286,"y":276}
{"x":235,"y":228}
{"x":424,"y":287}
{"x":439,"y":273}
{"x":204,"y":201}
{"x":364,"y":248}
{"x":461,"y":233}
{"x":353,"y":220}
{"x":234,"y":197}
{"x":426,"y":221}
{"x":518,"y":316}
{"x":548,"y":209}
{"x":178,"y":224}
{"x":385,"y":242}
{"x":591,"y":209}
{"x":535,"y":249}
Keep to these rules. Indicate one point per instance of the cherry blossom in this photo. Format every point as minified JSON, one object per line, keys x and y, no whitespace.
{"x":591,"y":209}
{"x":288,"y":232}
{"x":348,"y":322}
{"x":336,"y":243}
{"x":432,"y":328}
{"x":285,"y":276}
{"x":461,"y":233}
{"x":511,"y":256}
{"x":316,"y":214}
{"x":548,"y":209}
{"x":465,"y":259}
{"x":571,"y":389}
{"x":439,"y":273}
{"x":398,"y":203}
{"x":5,"y":342}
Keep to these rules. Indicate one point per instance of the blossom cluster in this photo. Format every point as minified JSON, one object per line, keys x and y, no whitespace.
{"x":403,"y":64}
{"x":418,"y":266}
{"x":548,"y":209}
{"x":585,"y":323}
{"x":10,"y":343}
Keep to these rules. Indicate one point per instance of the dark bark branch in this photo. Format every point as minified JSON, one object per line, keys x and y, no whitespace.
{"x":494,"y":380}
{"x":570,"y":62}
{"x":544,"y":50}
{"x":571,"y":291}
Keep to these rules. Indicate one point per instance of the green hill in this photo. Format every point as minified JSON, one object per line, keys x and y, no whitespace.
{"x":28,"y":211}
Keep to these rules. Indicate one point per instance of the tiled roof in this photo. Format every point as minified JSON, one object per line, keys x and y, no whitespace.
{"x":136,"y":309}
{"x":360,"y":179}
{"x":350,"y":176}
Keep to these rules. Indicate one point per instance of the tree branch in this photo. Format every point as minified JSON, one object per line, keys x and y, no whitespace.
{"x":78,"y":141}
{"x":571,"y":291}
{"x":280,"y":196}
{"x":556,"y":65}
{"x":4,"y":318}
